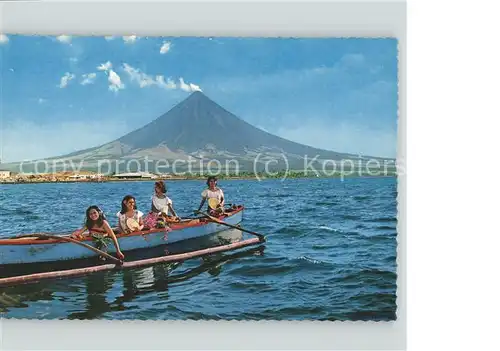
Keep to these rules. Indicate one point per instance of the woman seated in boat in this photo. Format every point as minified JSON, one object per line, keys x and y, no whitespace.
{"x":129,"y":218}
{"x":95,"y":221}
{"x":214,"y":196}
{"x":161,"y":203}
{"x":161,"y":207}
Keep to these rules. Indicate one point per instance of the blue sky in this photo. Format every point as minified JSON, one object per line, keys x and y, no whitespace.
{"x":62,"y":94}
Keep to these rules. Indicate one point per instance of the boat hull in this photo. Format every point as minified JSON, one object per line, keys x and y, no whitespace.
{"x":19,"y":251}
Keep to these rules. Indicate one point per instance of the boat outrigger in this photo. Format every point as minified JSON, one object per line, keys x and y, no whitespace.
{"x":47,"y":248}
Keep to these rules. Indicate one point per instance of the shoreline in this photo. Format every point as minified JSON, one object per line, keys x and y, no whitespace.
{"x":201,"y":178}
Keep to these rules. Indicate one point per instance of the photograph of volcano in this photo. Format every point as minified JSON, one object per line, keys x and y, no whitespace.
{"x":198,"y":178}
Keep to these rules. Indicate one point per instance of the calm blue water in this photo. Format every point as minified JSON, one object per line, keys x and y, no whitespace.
{"x":330,"y":254}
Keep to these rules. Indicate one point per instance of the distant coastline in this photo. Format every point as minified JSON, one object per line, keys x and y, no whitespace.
{"x":38,"y":179}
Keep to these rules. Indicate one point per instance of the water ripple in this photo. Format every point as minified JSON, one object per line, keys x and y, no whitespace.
{"x":331,"y":254}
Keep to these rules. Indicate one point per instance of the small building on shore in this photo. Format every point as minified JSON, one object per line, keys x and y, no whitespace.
{"x":136,"y":175}
{"x":86,"y":176}
{"x":78,"y":177}
{"x":4,"y":174}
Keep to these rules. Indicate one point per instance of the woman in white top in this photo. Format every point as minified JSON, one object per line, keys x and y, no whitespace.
{"x":129,"y":211}
{"x":161,"y":202}
{"x":213,"y":192}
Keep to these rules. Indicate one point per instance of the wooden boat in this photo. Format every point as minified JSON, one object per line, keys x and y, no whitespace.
{"x":26,"y":250}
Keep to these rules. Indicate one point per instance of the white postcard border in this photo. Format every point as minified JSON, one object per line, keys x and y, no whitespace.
{"x":207,"y":18}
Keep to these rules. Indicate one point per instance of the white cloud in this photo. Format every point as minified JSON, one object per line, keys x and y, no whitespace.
{"x":23,"y":140}
{"x":3,"y":39}
{"x":105,"y":66}
{"x":165,"y":47}
{"x":88,"y":78}
{"x":183,"y":85}
{"x":11,"y":69}
{"x":66,"y":79}
{"x":136,"y":75}
{"x":115,"y":83}
{"x":146,"y":80}
{"x":66,"y":39}
{"x":42,"y":100}
{"x":73,"y":59}
{"x":169,"y":84}
{"x":108,"y":38}
{"x":194,"y":87}
{"x":130,"y":39}
{"x":188,"y":87}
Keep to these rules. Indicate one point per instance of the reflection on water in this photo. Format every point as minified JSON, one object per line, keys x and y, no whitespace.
{"x":113,"y":291}
{"x":96,"y":287}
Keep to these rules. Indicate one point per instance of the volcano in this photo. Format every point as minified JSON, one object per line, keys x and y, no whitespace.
{"x":198,"y":124}
{"x":199,"y":129}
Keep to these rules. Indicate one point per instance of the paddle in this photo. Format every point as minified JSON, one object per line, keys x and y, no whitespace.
{"x":67,"y":239}
{"x":260,"y":236}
